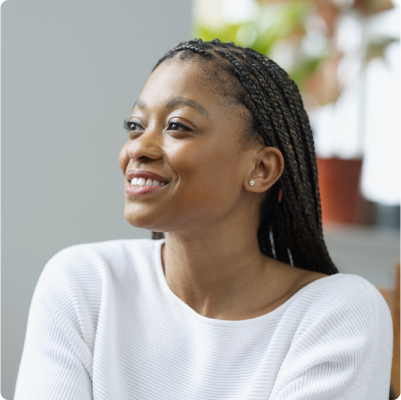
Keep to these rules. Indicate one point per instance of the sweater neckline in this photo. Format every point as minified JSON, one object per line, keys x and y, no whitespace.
{"x":222,"y":322}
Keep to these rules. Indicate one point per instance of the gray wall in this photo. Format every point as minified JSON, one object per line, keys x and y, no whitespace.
{"x":71,"y":71}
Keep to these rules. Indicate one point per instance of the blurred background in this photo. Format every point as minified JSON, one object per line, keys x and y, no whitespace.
{"x":71,"y":72}
{"x":344,"y":56}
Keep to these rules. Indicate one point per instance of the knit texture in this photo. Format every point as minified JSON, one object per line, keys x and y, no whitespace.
{"x":104,"y":325}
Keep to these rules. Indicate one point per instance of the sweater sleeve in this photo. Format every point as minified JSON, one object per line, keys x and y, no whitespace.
{"x":56,"y":361}
{"x":342,"y":351}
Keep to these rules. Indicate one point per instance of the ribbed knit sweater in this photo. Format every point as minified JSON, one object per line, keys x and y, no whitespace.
{"x":104,"y":325}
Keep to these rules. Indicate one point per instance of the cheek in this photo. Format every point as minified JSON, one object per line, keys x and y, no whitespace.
{"x":188,"y":158}
{"x":207,"y":170}
{"x":123,"y":159}
{"x":221,"y":164}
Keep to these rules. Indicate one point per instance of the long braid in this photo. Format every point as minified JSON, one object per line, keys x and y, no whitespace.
{"x":296,"y":163}
{"x":297,"y":108}
{"x":301,"y":118}
{"x":284,"y":137}
{"x":294,"y":99}
{"x":291,"y":229}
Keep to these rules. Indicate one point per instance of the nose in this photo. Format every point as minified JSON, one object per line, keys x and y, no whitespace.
{"x":146,"y":147}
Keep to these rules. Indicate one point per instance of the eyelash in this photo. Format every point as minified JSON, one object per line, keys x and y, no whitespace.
{"x":130,"y":125}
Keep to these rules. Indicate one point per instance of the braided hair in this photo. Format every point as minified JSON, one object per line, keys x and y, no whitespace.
{"x":290,"y":228}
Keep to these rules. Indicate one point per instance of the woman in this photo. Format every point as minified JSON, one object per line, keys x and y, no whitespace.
{"x":240,"y":300}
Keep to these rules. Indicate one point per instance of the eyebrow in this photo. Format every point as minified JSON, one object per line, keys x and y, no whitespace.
{"x":139,"y":103}
{"x":175,"y":102}
{"x":182,"y":101}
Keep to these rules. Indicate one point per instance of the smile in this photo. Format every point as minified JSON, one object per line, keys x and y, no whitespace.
{"x":140,"y":182}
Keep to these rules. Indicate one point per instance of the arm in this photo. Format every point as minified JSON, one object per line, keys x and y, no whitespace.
{"x":56,"y":362}
{"x":344,"y":354}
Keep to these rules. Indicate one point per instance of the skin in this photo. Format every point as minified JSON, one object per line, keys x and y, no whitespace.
{"x":210,"y":214}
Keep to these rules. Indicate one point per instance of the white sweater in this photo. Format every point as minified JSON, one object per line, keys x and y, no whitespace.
{"x":104,"y":325}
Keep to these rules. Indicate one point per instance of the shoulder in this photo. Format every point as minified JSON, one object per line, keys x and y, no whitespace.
{"x":342,"y":288}
{"x":340,"y":341}
{"x":79,"y":280}
{"x":343,"y":303}
{"x":104,"y":250}
{"x":83,"y":272}
{"x":113,"y":256}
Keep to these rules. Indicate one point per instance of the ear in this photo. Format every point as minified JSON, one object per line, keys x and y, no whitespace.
{"x":268,"y":166}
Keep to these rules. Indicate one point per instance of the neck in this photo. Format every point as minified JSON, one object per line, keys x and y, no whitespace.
{"x":215,"y":270}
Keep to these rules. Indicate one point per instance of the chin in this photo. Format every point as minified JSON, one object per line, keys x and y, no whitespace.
{"x":138,"y":220}
{"x":141,"y":218}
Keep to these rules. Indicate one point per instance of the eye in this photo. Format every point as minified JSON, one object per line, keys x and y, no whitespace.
{"x":132,"y":126}
{"x":176,"y":126}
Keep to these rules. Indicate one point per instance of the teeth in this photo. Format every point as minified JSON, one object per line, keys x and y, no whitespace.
{"x":147,"y":182}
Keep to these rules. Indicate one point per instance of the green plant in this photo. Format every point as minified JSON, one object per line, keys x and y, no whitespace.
{"x":283,"y":27}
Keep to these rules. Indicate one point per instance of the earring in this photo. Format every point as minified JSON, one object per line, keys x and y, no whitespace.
{"x":251,"y":182}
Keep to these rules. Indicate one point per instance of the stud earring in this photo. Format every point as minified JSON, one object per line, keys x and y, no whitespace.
{"x":251,"y":182}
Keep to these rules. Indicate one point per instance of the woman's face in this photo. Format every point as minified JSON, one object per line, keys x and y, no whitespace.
{"x":188,"y":136}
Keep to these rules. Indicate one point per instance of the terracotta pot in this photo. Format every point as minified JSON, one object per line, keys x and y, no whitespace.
{"x":339,"y":190}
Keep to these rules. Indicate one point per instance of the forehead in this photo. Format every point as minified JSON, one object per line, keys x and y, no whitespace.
{"x":177,"y":79}
{"x":206,"y":82}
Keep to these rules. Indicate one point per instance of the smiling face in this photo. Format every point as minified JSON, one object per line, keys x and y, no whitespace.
{"x":188,"y":136}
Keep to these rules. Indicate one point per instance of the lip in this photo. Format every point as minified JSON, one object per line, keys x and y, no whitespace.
{"x":132,"y":191}
{"x":141,"y":173}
